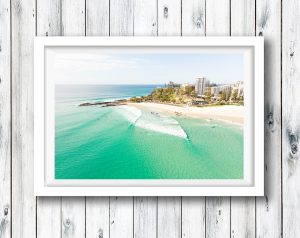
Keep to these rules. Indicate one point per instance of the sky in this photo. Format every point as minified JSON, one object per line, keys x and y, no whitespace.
{"x":96,"y":66}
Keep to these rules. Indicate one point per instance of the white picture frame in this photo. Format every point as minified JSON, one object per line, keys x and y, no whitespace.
{"x":253,"y":183}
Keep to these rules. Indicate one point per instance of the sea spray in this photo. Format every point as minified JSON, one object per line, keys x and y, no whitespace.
{"x":152,"y":121}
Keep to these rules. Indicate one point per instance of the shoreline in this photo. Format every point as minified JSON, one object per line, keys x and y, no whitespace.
{"x":227,"y":113}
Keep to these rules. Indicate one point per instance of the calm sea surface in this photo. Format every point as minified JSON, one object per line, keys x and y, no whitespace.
{"x":128,"y":143}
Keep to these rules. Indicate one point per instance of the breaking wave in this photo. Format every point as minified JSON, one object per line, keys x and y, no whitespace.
{"x":153,"y":121}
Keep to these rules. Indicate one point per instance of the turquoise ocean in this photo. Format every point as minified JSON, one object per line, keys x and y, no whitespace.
{"x":126,"y":142}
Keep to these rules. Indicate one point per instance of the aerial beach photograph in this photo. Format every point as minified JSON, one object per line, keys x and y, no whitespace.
{"x":148,"y":114}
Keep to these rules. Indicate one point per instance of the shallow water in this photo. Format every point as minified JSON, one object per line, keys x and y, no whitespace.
{"x":129,"y":143}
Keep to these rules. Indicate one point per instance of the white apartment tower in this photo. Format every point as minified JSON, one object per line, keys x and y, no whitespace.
{"x":200,"y":86}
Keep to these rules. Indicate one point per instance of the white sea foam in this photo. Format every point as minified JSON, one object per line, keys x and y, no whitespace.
{"x":153,"y":121}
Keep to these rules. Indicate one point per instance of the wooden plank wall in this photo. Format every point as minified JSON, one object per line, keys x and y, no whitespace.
{"x":274,"y":215}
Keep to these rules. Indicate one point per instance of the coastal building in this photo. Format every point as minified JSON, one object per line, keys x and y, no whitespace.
{"x":200,"y":86}
{"x":172,"y":85}
{"x":186,"y":85}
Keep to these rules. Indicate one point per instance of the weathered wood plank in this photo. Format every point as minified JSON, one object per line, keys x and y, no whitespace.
{"x":97,"y":208}
{"x":145,"y":17}
{"x":193,"y":208}
{"x":73,"y":209}
{"x":121,"y":17}
{"x":290,"y":117}
{"x":145,"y":208}
{"x":169,"y":217}
{"x":23,"y":200}
{"x":48,"y":209}
{"x":169,"y":17}
{"x":217,"y":217}
{"x":5,"y":120}
{"x":242,"y":208}
{"x":73,"y":17}
{"x":121,"y":217}
{"x":73,"y":217}
{"x":121,"y":208}
{"x":217,"y":18}
{"x":218,"y":208}
{"x":97,"y":217}
{"x":193,"y":217}
{"x":169,"y":208}
{"x":193,"y":17}
{"x":97,"y":18}
{"x":145,"y":217}
{"x":48,"y":217}
{"x":268,"y":208}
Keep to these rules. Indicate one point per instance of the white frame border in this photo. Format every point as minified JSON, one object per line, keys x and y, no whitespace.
{"x":41,"y":188}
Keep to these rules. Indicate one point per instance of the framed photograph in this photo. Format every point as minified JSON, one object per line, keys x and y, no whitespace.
{"x":148,"y":116}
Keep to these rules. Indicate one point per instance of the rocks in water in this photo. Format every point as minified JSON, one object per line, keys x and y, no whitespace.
{"x":104,"y":104}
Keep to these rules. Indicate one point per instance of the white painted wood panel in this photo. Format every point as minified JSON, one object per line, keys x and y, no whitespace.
{"x":193,"y":217}
{"x":97,"y":208}
{"x":242,"y":208}
{"x":290,"y":118}
{"x":73,"y":209}
{"x":97,"y":217}
{"x":73,"y":217}
{"x":145,"y":208}
{"x":48,"y":23}
{"x":121,"y":217}
{"x":121,"y":17}
{"x":193,"y":17}
{"x":145,"y":17}
{"x":169,"y":17}
{"x":145,"y":217}
{"x":218,"y":17}
{"x":23,"y":201}
{"x":97,"y":18}
{"x":218,"y":208}
{"x":169,"y":217}
{"x":5,"y":120}
{"x":268,"y":208}
{"x":169,"y":208}
{"x":193,"y":208}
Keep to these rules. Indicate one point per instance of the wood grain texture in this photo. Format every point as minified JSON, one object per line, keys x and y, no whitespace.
{"x":145,"y":17}
{"x":73,"y":17}
{"x":193,"y":217}
{"x":145,"y":217}
{"x":193,"y":208}
{"x":290,"y":117}
{"x":169,"y":217}
{"x":121,"y":217}
{"x":97,"y":208}
{"x":193,"y":17}
{"x":268,"y":208}
{"x":97,"y":18}
{"x":242,"y":208}
{"x":217,"y":18}
{"x":48,"y":217}
{"x":169,"y":17}
{"x":5,"y":120}
{"x":97,"y":217}
{"x":218,"y":208}
{"x":23,"y":201}
{"x":73,"y":209}
{"x":121,"y":17}
{"x":48,"y":209}
{"x":145,"y":208}
{"x":72,"y":217}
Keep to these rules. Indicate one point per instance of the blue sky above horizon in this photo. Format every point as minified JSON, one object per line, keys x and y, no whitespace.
{"x":94,"y":67}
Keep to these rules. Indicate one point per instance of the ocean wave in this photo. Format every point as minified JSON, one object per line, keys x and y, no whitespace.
{"x":153,"y":121}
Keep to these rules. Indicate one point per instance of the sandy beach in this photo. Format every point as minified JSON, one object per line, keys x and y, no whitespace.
{"x":229,"y":113}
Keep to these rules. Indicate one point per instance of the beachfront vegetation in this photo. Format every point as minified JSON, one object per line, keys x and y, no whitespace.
{"x":187,"y":95}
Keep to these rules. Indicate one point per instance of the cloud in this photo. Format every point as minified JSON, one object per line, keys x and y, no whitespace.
{"x":82,"y":62}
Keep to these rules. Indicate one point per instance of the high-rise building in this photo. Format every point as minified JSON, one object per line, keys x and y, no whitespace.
{"x":200,"y":86}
